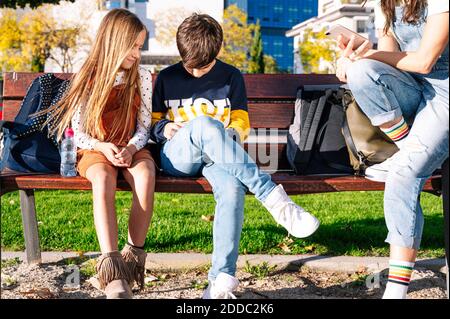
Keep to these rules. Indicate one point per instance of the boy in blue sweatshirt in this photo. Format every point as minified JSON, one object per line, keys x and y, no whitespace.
{"x":200,"y":116}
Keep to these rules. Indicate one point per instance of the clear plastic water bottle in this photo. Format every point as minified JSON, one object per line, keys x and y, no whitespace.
{"x":68,"y":153}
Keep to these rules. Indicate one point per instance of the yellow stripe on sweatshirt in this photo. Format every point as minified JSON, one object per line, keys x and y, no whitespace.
{"x":240,"y":121}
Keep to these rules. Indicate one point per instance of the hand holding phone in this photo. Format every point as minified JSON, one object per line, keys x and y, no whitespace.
{"x":346,"y":34}
{"x":351,"y":43}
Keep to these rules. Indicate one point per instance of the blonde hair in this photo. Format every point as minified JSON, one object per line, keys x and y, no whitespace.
{"x":92,"y":85}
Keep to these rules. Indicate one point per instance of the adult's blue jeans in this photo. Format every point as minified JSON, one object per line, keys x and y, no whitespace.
{"x":385,"y":93}
{"x":202,"y":147}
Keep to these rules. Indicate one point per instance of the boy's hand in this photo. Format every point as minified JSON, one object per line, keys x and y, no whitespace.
{"x":171,"y":129}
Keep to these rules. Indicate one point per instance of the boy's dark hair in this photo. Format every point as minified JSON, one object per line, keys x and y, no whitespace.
{"x":199,"y":40}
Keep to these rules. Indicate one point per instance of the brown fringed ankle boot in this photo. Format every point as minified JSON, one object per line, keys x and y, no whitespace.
{"x":114,"y":277}
{"x":135,"y":260}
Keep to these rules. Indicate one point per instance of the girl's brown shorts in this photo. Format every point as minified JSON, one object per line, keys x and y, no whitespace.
{"x":87,"y":158}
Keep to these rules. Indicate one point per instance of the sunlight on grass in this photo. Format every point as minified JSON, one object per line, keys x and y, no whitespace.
{"x":351,"y":224}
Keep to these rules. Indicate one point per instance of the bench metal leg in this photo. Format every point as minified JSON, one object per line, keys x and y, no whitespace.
{"x":30,"y":226}
{"x":445,"y":190}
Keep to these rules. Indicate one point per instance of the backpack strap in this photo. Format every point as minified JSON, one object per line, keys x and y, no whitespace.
{"x":309,"y":131}
{"x":301,"y":159}
{"x":30,"y":102}
{"x":37,"y":99}
{"x":49,"y":88}
{"x":336,"y":99}
{"x":340,"y":167}
{"x":347,"y":98}
{"x":58,"y":90}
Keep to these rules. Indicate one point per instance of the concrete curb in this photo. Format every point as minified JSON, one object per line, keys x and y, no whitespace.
{"x":189,"y":261}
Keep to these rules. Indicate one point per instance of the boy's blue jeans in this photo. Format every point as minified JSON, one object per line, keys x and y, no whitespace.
{"x":202,"y":147}
{"x":385,"y":93}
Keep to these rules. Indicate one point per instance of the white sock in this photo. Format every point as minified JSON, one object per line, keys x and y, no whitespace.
{"x":398,"y":281}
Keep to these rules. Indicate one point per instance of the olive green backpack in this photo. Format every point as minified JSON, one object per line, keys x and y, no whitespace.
{"x":367,"y":144}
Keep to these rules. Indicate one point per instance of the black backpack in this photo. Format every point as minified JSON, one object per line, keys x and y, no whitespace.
{"x":27,"y":147}
{"x":315,"y":143}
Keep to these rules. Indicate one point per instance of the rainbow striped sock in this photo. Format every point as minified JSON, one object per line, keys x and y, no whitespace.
{"x":398,"y":131}
{"x":398,"y":281}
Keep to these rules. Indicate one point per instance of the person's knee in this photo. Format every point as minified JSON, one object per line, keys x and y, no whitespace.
{"x":209,"y":126}
{"x":415,"y":160}
{"x":145,"y":175}
{"x":231,"y":191}
{"x":103,"y":176}
{"x":362,"y":74}
{"x":145,"y":167}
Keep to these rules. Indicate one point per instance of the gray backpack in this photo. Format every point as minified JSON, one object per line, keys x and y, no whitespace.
{"x":315,"y":143}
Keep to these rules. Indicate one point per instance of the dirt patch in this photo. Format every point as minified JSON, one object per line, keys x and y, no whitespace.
{"x":60,"y":281}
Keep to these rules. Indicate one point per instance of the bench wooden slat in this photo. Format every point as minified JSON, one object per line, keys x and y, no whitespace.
{"x":262,"y":152}
{"x":258,"y":86}
{"x":16,"y":88}
{"x":262,"y":115}
{"x":282,"y":86}
{"x":271,"y":115}
{"x":292,"y":184}
{"x":10,"y":109}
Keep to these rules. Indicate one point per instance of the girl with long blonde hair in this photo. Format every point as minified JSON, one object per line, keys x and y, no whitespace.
{"x":108,"y":106}
{"x":403,"y":87}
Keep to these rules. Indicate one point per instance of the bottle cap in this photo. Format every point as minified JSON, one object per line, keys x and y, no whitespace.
{"x":68,"y":132}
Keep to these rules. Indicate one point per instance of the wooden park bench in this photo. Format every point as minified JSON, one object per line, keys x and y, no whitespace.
{"x":271,"y":106}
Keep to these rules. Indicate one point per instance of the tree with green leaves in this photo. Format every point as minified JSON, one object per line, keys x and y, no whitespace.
{"x":317,"y":52}
{"x":270,"y":65}
{"x":11,"y":57}
{"x":30,"y":39}
{"x":237,"y":38}
{"x":43,"y":39}
{"x":256,"y":64}
{"x":23,"y":3}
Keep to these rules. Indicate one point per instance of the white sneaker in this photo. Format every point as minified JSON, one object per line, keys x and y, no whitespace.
{"x":222,"y":287}
{"x":296,"y":220}
{"x":379,"y":172}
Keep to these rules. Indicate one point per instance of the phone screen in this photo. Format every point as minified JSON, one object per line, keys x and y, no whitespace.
{"x":346,"y":34}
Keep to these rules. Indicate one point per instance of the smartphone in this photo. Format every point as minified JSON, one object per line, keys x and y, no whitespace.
{"x":338,"y":29}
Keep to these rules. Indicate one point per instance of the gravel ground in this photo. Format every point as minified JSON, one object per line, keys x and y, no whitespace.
{"x":55,"y":281}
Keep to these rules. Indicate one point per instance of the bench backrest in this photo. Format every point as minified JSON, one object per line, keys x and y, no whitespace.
{"x":271,"y":100}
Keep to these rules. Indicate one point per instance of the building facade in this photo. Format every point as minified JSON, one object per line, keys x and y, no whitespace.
{"x":276,"y":17}
{"x":348,"y":13}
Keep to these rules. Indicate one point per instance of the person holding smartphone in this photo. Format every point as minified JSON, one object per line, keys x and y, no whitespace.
{"x":403,"y":87}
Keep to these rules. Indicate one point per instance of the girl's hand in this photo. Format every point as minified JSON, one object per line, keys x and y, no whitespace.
{"x":171,"y":129}
{"x":342,"y":66}
{"x":109,"y":150}
{"x":125,"y":156}
{"x":346,"y":46}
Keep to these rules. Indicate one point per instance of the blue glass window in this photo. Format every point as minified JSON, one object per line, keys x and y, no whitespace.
{"x":276,"y":17}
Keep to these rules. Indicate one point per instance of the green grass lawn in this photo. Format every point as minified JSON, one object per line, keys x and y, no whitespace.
{"x":351,"y":224}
